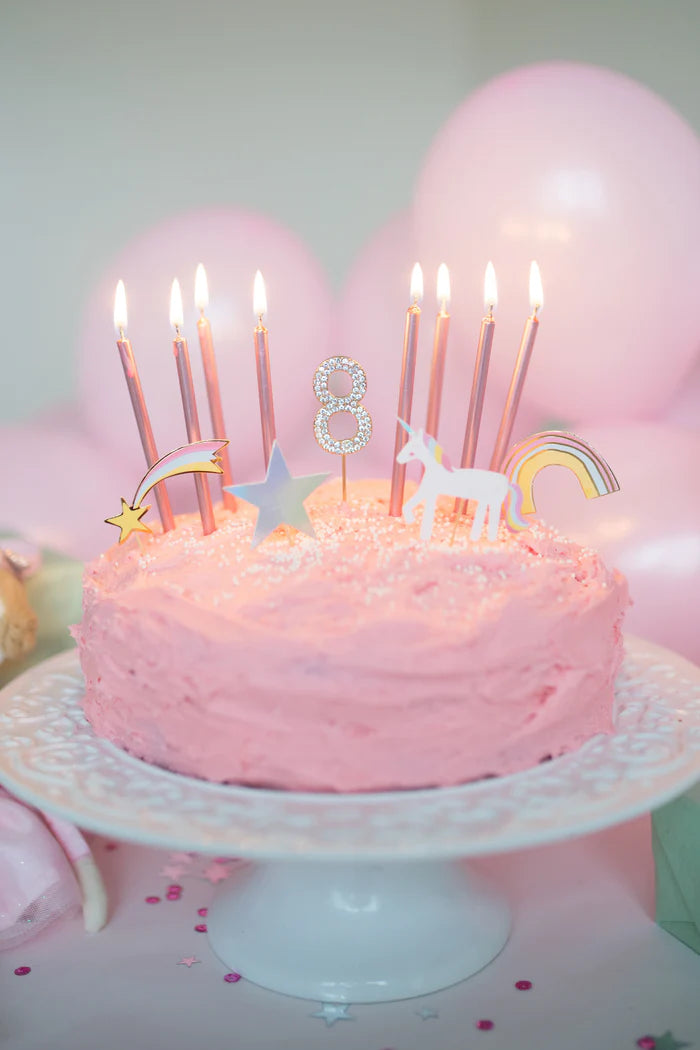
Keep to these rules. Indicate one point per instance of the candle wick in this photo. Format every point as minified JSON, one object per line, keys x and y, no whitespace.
{"x":177,"y":330}
{"x":490,"y":314}
{"x":122,"y":337}
{"x":260,"y":320}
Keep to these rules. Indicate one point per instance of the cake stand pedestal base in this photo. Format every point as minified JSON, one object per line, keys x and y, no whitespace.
{"x":351,"y":932}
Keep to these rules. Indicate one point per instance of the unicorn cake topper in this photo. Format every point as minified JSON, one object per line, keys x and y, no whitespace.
{"x":494,"y":491}
{"x":489,"y":489}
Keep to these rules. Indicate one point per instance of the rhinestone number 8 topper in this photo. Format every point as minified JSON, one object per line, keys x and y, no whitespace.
{"x":350,"y":403}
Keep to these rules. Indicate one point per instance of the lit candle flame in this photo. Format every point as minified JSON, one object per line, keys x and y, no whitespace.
{"x":443,"y":287}
{"x":120,"y":317}
{"x":490,"y":288}
{"x":416,"y":283}
{"x":176,"y":315}
{"x":259,"y":296}
{"x":536,"y":293}
{"x":201,"y":289}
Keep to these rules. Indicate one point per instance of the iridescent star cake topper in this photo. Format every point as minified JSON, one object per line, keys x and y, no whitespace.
{"x":279,"y":498}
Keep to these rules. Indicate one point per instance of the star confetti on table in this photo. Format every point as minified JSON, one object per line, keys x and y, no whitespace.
{"x":661,"y":1042}
{"x":427,"y":1013}
{"x":129,"y":521}
{"x":172,"y":871}
{"x":332,"y":1012}
{"x":279,"y":498}
{"x":216,"y":872}
{"x":180,"y":858}
{"x":188,"y":961}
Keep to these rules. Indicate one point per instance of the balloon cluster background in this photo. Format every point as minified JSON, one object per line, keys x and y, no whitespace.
{"x":581,"y":168}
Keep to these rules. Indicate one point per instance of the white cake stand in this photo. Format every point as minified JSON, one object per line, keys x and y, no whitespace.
{"x":355,"y":898}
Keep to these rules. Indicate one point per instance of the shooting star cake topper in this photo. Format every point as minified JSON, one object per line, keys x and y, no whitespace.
{"x":201,"y":457}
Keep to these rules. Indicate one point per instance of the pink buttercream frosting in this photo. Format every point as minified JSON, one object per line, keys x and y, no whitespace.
{"x":363,"y":660}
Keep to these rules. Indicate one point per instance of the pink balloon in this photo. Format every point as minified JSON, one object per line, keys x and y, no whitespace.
{"x":684,"y":410}
{"x":371,"y":322}
{"x":597,"y":178}
{"x":59,"y":486}
{"x":650,"y":529}
{"x":232,"y":244}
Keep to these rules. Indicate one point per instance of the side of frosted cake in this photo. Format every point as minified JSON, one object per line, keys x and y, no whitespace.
{"x":365,"y":660}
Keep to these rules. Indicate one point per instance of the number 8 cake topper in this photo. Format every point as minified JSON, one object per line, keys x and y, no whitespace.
{"x":350,"y":403}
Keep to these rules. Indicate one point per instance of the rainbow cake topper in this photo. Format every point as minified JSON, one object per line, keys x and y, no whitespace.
{"x":557,"y":448}
{"x":201,"y":457}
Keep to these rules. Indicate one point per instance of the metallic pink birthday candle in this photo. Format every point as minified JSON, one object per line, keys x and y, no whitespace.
{"x":408,"y":374}
{"x":517,"y":382}
{"x":138,"y":403}
{"x":481,"y":371}
{"x":211,"y":375}
{"x":189,"y":405}
{"x":262,"y":363}
{"x":437,"y":369}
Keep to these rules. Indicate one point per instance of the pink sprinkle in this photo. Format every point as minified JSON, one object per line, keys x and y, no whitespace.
{"x":21,"y":971}
{"x":201,"y":927}
{"x":647,"y":1042}
{"x":524,"y":986}
{"x":203,"y":912}
{"x":173,"y":896}
{"x":232,"y":977}
{"x":175,"y":889}
{"x":484,"y":1026}
{"x":152,"y":900}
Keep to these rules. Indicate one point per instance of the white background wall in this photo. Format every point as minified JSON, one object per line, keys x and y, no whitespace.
{"x":317,"y":113}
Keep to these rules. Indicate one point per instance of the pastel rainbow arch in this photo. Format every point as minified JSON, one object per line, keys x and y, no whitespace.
{"x":557,"y":448}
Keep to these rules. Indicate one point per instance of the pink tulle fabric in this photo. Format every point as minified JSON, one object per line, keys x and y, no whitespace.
{"x":37,"y":884}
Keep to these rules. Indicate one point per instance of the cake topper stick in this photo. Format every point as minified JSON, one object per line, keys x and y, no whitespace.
{"x":262,"y":363}
{"x":517,"y":382}
{"x":189,"y":404}
{"x":408,"y":373}
{"x":481,"y":371}
{"x":437,"y":368}
{"x":348,"y":403}
{"x":216,"y":412}
{"x":138,"y":403}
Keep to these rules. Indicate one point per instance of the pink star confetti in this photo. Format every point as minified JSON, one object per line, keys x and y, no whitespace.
{"x":180,"y":858}
{"x":215,"y":872}
{"x":172,"y":871}
{"x":188,"y":961}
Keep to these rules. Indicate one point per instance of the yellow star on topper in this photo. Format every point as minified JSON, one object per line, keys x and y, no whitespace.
{"x":129,"y":521}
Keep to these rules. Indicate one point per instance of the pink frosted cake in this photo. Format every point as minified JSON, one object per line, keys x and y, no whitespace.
{"x":365,"y":660}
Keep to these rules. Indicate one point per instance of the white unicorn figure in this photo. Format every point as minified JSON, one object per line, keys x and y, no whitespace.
{"x":489,"y":489}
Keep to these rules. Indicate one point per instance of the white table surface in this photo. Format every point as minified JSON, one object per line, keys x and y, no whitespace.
{"x":603,"y":974}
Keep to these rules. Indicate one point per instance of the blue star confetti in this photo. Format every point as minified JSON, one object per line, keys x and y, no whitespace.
{"x":332,"y":1012}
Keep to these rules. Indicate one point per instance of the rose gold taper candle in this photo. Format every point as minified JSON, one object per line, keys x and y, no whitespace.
{"x":437,"y":368}
{"x":189,"y":405}
{"x":211,"y":375}
{"x":138,"y":403}
{"x":262,"y":363}
{"x":481,"y":371}
{"x":408,"y":374}
{"x":520,"y":371}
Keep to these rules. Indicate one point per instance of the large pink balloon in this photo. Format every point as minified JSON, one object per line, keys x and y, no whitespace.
{"x":370,"y":325}
{"x":598,"y":179}
{"x":58,"y":486}
{"x":232,"y":244}
{"x":684,"y":410}
{"x":650,"y":529}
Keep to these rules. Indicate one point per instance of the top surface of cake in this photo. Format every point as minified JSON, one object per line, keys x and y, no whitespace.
{"x":364,"y":659}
